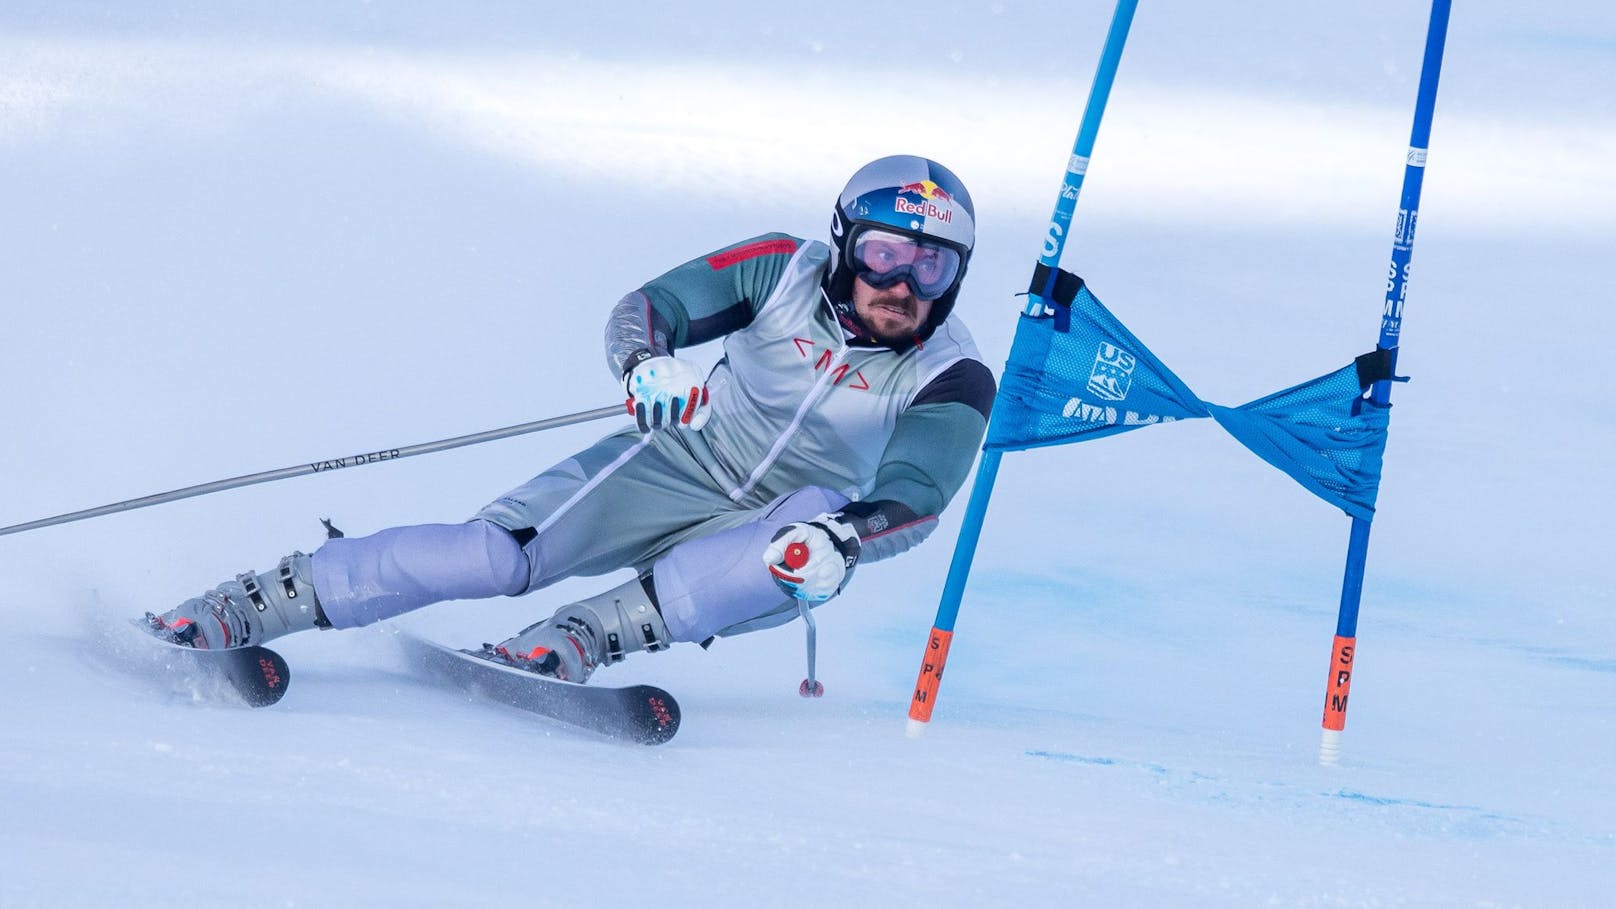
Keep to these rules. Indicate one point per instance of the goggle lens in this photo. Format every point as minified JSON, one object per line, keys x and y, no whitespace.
{"x":883,"y":259}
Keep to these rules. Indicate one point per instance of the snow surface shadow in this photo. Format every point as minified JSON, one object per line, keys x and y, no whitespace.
{"x":1414,"y":816}
{"x":1554,"y":656}
{"x":1570,"y":661}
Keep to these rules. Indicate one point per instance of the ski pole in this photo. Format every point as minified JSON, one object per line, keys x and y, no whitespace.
{"x":810,"y":687}
{"x":1391,"y":325}
{"x":942,"y":631}
{"x":297,"y":470}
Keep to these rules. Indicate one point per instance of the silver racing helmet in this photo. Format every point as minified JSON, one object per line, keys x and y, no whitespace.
{"x":901,"y":218}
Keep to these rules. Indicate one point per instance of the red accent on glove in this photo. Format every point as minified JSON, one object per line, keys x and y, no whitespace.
{"x":775,"y":570}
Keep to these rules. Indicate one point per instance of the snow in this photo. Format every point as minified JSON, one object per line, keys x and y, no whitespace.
{"x":239,"y":237}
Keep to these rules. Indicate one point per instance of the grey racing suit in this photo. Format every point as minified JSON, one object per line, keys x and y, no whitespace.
{"x":804,"y":420}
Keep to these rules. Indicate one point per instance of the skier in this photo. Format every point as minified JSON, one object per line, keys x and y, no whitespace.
{"x":845,"y":413}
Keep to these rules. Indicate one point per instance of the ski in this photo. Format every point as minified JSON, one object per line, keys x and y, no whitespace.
{"x":254,"y":676}
{"x":643,"y":714}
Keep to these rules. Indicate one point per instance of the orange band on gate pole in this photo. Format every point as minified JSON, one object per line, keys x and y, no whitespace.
{"x":931,"y":675}
{"x":1335,"y":699}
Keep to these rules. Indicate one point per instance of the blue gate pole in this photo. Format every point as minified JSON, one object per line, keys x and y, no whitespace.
{"x":1391,"y":327}
{"x":942,"y":632}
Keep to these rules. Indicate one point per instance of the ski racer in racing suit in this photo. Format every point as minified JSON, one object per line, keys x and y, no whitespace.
{"x":845,"y":413}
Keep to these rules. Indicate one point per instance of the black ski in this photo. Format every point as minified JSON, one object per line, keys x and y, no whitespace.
{"x":255,"y":676}
{"x":638,"y":713}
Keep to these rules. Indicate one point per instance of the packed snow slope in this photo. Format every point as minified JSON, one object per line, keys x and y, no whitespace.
{"x":237,"y":237}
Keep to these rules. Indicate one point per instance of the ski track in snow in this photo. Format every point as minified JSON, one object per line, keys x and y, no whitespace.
{"x":1404,"y":816}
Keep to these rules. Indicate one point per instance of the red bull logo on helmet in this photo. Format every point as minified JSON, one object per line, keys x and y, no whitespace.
{"x":926,"y":189}
{"x":932,"y":195}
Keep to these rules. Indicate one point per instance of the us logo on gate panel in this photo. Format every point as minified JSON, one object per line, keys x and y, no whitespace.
{"x":1113,"y":372}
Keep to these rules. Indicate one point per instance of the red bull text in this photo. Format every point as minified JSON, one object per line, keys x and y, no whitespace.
{"x":930,"y":192}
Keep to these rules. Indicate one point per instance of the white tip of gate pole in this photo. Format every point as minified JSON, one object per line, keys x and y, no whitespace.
{"x":915,"y":729}
{"x":1330,"y":748}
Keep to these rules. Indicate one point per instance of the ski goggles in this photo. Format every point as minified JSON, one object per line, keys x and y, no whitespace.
{"x":882,"y":259}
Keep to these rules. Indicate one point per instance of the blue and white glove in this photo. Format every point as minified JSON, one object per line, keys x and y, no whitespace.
{"x":813,"y":560}
{"x":665,"y":392}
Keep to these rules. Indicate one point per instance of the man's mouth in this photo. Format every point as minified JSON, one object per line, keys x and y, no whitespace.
{"x":894,"y":307}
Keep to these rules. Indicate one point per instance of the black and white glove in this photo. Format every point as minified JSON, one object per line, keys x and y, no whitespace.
{"x":665,"y":392}
{"x":813,"y":560}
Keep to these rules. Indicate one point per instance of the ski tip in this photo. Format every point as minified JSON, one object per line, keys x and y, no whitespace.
{"x":254,"y":676}
{"x":915,"y":729}
{"x":265,"y":678}
{"x":662,"y":716}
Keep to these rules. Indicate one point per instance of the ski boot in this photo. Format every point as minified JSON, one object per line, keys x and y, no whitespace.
{"x":587,"y":634}
{"x":251,"y":609}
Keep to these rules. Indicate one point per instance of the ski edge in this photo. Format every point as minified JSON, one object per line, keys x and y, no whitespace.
{"x":615,"y":712}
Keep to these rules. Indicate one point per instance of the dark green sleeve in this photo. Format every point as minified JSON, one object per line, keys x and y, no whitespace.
{"x":929,"y":456}
{"x":710,"y":297}
{"x":699,"y":301}
{"x":925,"y":462}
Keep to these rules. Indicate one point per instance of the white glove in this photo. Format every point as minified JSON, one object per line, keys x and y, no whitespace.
{"x":666,"y":393}
{"x":813,"y":560}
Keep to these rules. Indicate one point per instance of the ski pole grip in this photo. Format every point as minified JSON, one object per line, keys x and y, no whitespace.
{"x":796,"y":555}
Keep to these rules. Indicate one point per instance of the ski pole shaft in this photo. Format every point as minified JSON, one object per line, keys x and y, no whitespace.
{"x":1345,"y":645}
{"x":297,"y":470}
{"x":924,"y":697}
